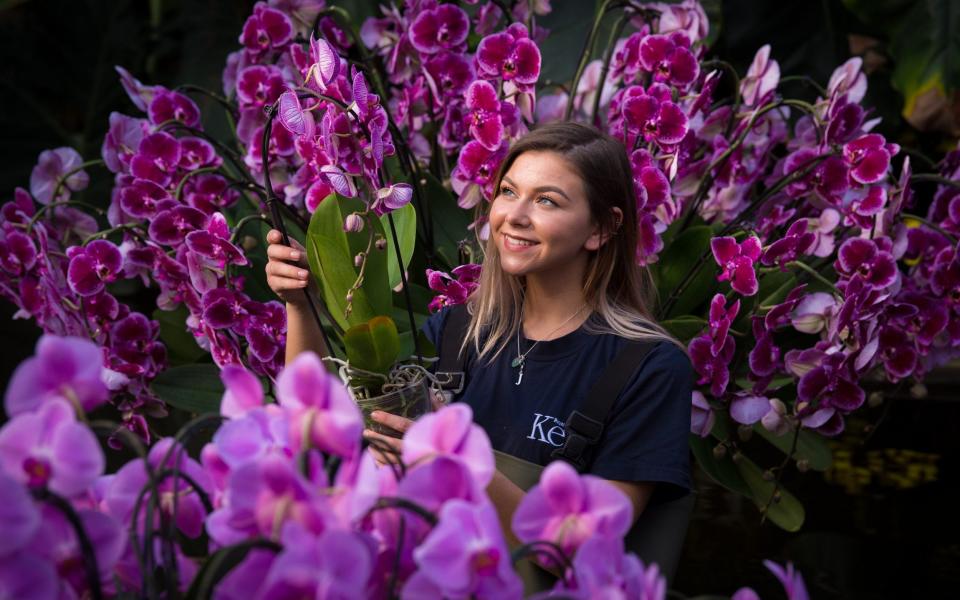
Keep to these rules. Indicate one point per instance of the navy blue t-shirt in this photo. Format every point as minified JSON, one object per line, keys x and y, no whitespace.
{"x":645,"y":438}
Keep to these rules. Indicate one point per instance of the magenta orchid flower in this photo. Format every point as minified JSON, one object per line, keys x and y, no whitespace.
{"x":487,"y":115}
{"x":173,"y":106}
{"x":702,"y":416}
{"x":669,"y":58}
{"x":711,"y":367}
{"x":258,"y":86}
{"x":62,"y":367}
{"x":869,"y":158}
{"x":157,"y":158}
{"x":442,"y":28}
{"x":92,"y":266}
{"x":472,"y":178}
{"x":122,"y":140}
{"x":465,"y":555}
{"x":736,"y":261}
{"x":796,"y":241}
{"x":655,"y":120}
{"x":326,"y":63}
{"x":510,"y":56}
{"x":865,"y":259}
{"x":450,"y":432}
{"x":50,"y":449}
{"x":391,"y":198}
{"x":567,"y":508}
{"x":57,"y":174}
{"x":761,"y":80}
{"x":266,"y":29}
{"x":604,"y":570}
{"x":790,"y":578}
{"x":323,"y":415}
{"x":124,"y":488}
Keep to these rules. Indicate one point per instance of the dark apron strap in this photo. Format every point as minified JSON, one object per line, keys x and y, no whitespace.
{"x":451,"y":368}
{"x":584,"y":427}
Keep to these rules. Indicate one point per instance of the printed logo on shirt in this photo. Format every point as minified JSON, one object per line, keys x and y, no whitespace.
{"x":548,"y":430}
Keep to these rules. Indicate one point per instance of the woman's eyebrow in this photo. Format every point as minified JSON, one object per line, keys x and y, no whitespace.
{"x":542,"y":188}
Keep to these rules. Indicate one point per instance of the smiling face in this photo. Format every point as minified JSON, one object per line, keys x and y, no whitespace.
{"x":540,"y":219}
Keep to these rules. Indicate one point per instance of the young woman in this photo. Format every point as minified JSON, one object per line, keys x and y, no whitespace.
{"x":560,"y":295}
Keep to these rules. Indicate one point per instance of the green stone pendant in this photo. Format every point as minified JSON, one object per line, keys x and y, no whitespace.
{"x":517,"y":361}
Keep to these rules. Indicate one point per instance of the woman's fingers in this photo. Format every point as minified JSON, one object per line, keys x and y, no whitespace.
{"x":285,"y":271}
{"x":392,"y":421}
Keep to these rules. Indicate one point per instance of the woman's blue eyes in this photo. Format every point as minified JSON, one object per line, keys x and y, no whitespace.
{"x":541,"y":199}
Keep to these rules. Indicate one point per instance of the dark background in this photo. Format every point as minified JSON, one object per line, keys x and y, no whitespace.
{"x":880,"y":524}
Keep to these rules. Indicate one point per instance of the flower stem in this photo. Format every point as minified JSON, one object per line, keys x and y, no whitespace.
{"x":585,"y":56}
{"x":813,"y":273}
{"x":62,"y":181}
{"x":931,"y":225}
{"x":87,"y":553}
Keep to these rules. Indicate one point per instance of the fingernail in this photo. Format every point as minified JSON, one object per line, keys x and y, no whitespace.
{"x":294,"y":255}
{"x":302,"y":274}
{"x":302,"y":283}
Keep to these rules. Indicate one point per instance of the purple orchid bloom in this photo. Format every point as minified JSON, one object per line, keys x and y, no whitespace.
{"x":791,"y":579}
{"x":292,"y":116}
{"x":262,"y":495}
{"x":829,"y":179}
{"x":711,"y":367}
{"x":325,"y":65}
{"x":62,"y":367}
{"x":761,"y":80}
{"x":213,"y":244}
{"x":141,"y":198}
{"x":266,"y":29}
{"x":56,"y":543}
{"x":747,"y":408}
{"x":122,"y":141}
{"x":141,"y":95}
{"x":669,"y":58}
{"x":18,"y":255}
{"x":865,"y":259}
{"x":259,"y":85}
{"x":848,"y":80}
{"x":465,"y":555}
{"x":511,"y":56}
{"x":831,"y":383}
{"x":796,"y":241}
{"x":156,"y":158}
{"x":869,"y":158}
{"x":487,"y":115}
{"x":171,"y":226}
{"x":567,"y":508}
{"x":737,"y":261}
{"x":702,"y":416}
{"x":444,"y":27}
{"x":134,"y":346}
{"x":335,"y":564}
{"x":196,"y":153}
{"x":604,"y":570}
{"x":57,"y":174}
{"x":472,"y":178}
{"x":323,"y":415}
{"x":659,"y":121}
{"x":243,"y":391}
{"x":266,"y":330}
{"x":453,"y":289}
{"x":391,"y":198}
{"x":448,"y":74}
{"x":92,"y":266}
{"x":125,"y":487}
{"x":173,"y":106}
{"x":764,"y":358}
{"x":450,"y":432}
{"x":814,"y":312}
{"x":19,"y":517}
{"x":209,"y":193}
{"x":720,"y":317}
{"x":50,"y":449}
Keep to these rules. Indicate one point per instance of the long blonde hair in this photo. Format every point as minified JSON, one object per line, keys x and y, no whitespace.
{"x":616,"y":288}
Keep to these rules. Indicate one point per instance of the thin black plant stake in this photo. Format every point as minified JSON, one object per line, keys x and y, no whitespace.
{"x":90,"y":567}
{"x":277,"y":218}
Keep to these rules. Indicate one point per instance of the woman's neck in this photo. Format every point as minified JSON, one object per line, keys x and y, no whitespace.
{"x":550,"y":304}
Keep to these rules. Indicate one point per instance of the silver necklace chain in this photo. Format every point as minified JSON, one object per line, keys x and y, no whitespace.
{"x":522,"y":357}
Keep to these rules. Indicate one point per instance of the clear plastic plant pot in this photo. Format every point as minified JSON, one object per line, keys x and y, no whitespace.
{"x":408,"y":399}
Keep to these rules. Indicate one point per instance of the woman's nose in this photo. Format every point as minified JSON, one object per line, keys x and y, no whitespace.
{"x":518,"y":214}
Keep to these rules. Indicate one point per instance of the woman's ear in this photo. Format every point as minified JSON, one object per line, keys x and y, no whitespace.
{"x":599,"y":237}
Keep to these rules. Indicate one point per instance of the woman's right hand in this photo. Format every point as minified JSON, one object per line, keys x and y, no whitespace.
{"x":287,"y":268}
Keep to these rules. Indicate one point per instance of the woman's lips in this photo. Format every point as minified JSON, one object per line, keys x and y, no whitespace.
{"x":515,"y":244}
